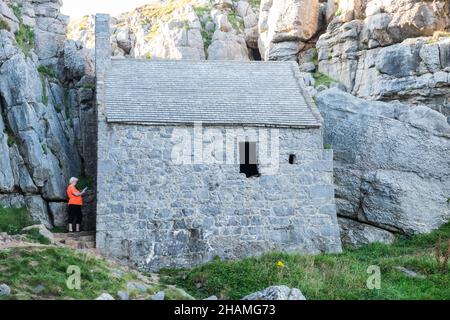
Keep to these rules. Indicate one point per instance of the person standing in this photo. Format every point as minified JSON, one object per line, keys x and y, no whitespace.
{"x":75,"y":203}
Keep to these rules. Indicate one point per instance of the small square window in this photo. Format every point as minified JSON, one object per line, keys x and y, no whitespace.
{"x":292,"y":158}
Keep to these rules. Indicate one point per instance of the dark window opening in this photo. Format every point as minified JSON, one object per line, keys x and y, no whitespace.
{"x":247,"y":158}
{"x":256,"y":54}
{"x":292,"y":158}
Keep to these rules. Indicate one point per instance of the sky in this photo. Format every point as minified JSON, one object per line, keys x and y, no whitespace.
{"x":78,"y":8}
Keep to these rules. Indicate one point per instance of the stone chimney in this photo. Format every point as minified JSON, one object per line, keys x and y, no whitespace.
{"x":102,"y":44}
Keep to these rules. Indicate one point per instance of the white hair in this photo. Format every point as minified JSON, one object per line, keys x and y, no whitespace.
{"x":72,"y":180}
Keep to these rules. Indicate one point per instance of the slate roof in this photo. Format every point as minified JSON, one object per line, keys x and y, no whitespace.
{"x":212,"y":92}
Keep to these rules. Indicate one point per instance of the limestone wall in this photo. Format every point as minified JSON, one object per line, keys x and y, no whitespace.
{"x":156,"y":213}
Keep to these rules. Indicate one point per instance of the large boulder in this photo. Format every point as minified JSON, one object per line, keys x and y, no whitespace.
{"x":227,"y":46}
{"x":391,"y":162}
{"x":291,"y":21}
{"x":276,"y":293}
{"x":356,"y":233}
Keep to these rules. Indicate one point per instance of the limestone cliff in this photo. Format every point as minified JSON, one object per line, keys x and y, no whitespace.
{"x":44,"y":82}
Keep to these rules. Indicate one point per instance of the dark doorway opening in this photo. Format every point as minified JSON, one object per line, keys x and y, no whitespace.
{"x":256,"y":55}
{"x":247,"y":157}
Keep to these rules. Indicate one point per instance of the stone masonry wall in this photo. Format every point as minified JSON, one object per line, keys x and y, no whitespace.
{"x":155,"y":213}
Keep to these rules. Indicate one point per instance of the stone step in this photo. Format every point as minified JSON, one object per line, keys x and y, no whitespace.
{"x":74,"y":234}
{"x":79,"y":244}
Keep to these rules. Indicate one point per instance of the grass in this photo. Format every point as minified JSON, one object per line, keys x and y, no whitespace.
{"x":88,"y":86}
{"x":255,"y":3}
{"x":44,"y":91}
{"x":315,"y":57}
{"x":327,"y":276}
{"x":13,"y":220}
{"x":4,"y":25}
{"x":33,"y":235}
{"x":322,"y":79}
{"x":47,"y":71}
{"x":25,"y":39}
{"x":11,"y":141}
{"x":25,"y":268}
{"x":17,"y":9}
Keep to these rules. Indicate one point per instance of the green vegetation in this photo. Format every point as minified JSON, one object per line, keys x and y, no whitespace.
{"x":207,"y":38}
{"x":152,"y":33}
{"x":44,"y":91}
{"x":200,"y":11}
{"x":85,"y":182}
{"x":44,"y":148}
{"x":329,"y":276}
{"x":47,"y":71}
{"x":255,"y":3}
{"x":25,"y":39}
{"x":11,"y":141}
{"x":148,"y":56}
{"x":163,"y":11}
{"x":17,"y":9}
{"x":4,"y":25}
{"x":328,"y":146}
{"x":315,"y":57}
{"x":322,"y":79}
{"x":23,"y":269}
{"x":88,"y":86}
{"x":170,"y":292}
{"x":33,"y":235}
{"x":13,"y":220}
{"x":236,"y":21}
{"x":58,"y":230}
{"x":338,"y":13}
{"x":58,"y":108}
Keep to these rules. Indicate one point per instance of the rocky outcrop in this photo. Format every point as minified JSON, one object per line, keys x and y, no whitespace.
{"x":390,"y":50}
{"x":189,"y":29}
{"x":391,"y":165}
{"x":356,"y":233}
{"x":42,"y":91}
{"x":276,"y":293}
{"x":285,"y":26}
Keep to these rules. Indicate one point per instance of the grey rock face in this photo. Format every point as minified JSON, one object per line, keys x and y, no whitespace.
{"x":276,"y":293}
{"x":40,"y":132}
{"x":391,"y":162}
{"x":384,"y":51}
{"x":286,"y":24}
{"x":5,"y":290}
{"x":43,"y":231}
{"x":158,"y":296}
{"x":136,"y":286}
{"x":105,"y":296}
{"x":123,"y":295}
{"x":356,"y":233}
